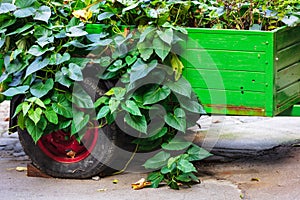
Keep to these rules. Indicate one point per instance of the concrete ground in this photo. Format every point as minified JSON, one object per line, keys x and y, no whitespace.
{"x":255,"y":158}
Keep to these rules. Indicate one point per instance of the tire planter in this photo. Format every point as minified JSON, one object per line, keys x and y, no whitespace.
{"x":50,"y":157}
{"x":59,"y":155}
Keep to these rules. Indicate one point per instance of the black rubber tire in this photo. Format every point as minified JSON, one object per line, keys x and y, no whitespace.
{"x":90,"y":166}
{"x":94,"y":164}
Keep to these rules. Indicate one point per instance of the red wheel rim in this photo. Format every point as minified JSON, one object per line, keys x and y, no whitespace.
{"x":60,"y":147}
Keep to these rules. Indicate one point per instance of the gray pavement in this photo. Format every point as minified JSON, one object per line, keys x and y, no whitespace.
{"x":236,"y":136}
{"x":263,"y":153}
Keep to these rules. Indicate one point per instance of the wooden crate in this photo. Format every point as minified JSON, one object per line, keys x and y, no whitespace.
{"x":242,"y":72}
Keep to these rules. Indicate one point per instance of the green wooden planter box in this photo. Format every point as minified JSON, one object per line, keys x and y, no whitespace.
{"x":243,"y":72}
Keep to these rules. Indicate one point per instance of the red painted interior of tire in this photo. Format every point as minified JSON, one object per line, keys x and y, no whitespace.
{"x":56,"y":145}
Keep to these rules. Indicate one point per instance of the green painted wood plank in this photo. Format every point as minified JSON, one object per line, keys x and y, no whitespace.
{"x":288,"y":56}
{"x":232,"y":80}
{"x":287,"y":94}
{"x":237,"y":98}
{"x":227,"y":40}
{"x":287,"y":36}
{"x":215,"y":101}
{"x":288,"y":76}
{"x":225,"y":60}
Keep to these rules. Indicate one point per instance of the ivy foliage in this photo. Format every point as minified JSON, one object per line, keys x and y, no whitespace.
{"x":49,"y":48}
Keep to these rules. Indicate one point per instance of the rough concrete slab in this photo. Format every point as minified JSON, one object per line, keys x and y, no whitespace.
{"x":230,"y":136}
{"x":16,"y":185}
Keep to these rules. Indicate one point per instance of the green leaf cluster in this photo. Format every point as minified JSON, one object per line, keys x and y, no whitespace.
{"x":178,"y":170}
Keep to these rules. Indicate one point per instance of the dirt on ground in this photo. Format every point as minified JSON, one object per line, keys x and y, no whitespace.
{"x":273,"y":174}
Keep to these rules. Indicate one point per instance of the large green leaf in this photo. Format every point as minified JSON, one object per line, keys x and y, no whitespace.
{"x":40,"y":89}
{"x":139,"y":123}
{"x":103,"y":112}
{"x":182,"y":86}
{"x":113,"y":104}
{"x":36,"y":65}
{"x":156,"y":94}
{"x":197,"y":153}
{"x":25,"y":107}
{"x":7,"y":7}
{"x":185,"y":166}
{"x":177,"y":120}
{"x":7,"y":21}
{"x":76,"y":32}
{"x":36,"y":50}
{"x":162,"y":49}
{"x":35,"y":115}
{"x":34,"y":131}
{"x":37,"y":101}
{"x":145,"y":49}
{"x":191,"y":105}
{"x":57,"y":58}
{"x":177,"y":66}
{"x":80,"y":120}
{"x":64,"y":124}
{"x":44,"y":40}
{"x":24,"y":12}
{"x":176,"y":144}
{"x":157,"y":161}
{"x":75,"y":72}
{"x":155,"y":178}
{"x":148,"y":32}
{"x":16,"y":90}
{"x":184,"y":178}
{"x":166,"y":36}
{"x":116,"y":66}
{"x":61,"y":78}
{"x":105,"y":15}
{"x":140,"y":69}
{"x":63,"y":107}
{"x":118,"y":92}
{"x":24,"y":4}
{"x":102,"y":100}
{"x":81,"y":98}
{"x":21,"y":122}
{"x":43,"y":14}
{"x":51,"y":115}
{"x":131,"y":107}
{"x":163,"y":131}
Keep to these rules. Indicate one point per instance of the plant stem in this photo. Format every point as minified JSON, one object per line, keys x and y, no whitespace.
{"x":129,"y":161}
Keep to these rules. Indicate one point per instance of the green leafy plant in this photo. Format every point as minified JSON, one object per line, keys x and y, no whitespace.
{"x":47,"y":49}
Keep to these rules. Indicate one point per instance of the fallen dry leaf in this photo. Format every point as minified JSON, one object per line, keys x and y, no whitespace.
{"x":71,"y":154}
{"x":21,"y":169}
{"x":140,"y":184}
{"x":255,"y":179}
{"x":83,"y":15}
{"x":115,"y":181}
{"x":102,"y":190}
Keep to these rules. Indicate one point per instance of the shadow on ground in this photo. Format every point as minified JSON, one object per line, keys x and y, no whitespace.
{"x":272,"y":174}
